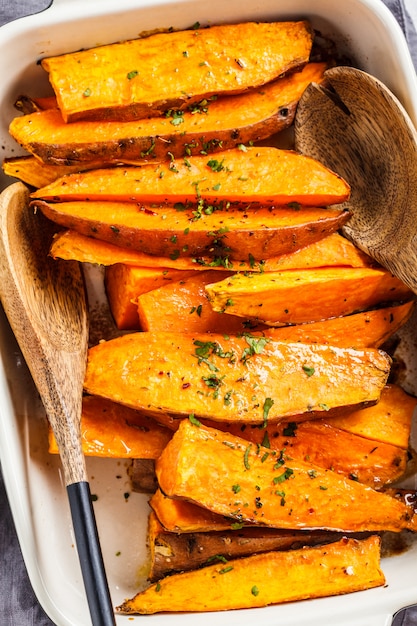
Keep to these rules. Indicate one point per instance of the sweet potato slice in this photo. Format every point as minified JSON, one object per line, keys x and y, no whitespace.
{"x":331,"y":250}
{"x":367,"y":329}
{"x":181,"y":516}
{"x":148,"y":76}
{"x":255,"y":486}
{"x":269,"y":578}
{"x":307,"y":295}
{"x":265,"y":175}
{"x":222,"y":124}
{"x":35,"y":173}
{"x":242,"y":378}
{"x":125,"y":283}
{"x":168,"y":232}
{"x":114,"y":431}
{"x":182,"y":306}
{"x":176,"y":552}
{"x":389,"y":421}
{"x":369,"y":461}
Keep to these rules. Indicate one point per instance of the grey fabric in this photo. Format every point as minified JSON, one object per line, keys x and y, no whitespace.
{"x":18,"y":605}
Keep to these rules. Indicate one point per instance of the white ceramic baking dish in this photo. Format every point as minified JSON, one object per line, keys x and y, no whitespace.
{"x":366,"y":31}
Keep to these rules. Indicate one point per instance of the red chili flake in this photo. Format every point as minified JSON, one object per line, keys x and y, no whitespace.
{"x":186,"y":385}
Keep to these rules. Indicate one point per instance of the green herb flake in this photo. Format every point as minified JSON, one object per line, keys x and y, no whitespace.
{"x":236,"y":488}
{"x":132,"y":74}
{"x":225,"y":570}
{"x":254,"y":591}
{"x":265,"y":441}
{"x":87,"y":92}
{"x":266,"y":408}
{"x":284,"y":476}
{"x":237,"y":525}
{"x":308,"y":370}
{"x":246,"y":457}
{"x":194,"y":420}
{"x":215,"y":165}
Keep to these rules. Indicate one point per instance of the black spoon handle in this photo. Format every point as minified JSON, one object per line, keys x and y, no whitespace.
{"x":90,"y":555}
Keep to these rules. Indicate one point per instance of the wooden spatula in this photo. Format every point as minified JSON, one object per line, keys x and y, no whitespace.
{"x":44,"y":301}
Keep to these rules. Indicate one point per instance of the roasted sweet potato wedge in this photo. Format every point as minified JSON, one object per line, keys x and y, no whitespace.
{"x":114,"y":431}
{"x":389,"y":421}
{"x":268,"y":578}
{"x":168,"y":232}
{"x":176,"y":552}
{"x":264,"y":175}
{"x":366,"y":460}
{"x":182,"y":516}
{"x":125,"y":283}
{"x":238,"y":379}
{"x":306,"y":295}
{"x":35,"y":173}
{"x":367,"y":329}
{"x":331,"y":250}
{"x":173,"y":70}
{"x":256,"y":486}
{"x":217,"y":125}
{"x":182,"y":306}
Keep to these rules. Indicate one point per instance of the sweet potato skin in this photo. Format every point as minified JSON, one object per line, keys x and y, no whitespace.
{"x":267,"y":175}
{"x":269,"y":578}
{"x":308,"y":295}
{"x":273,"y":490}
{"x":133,"y":79}
{"x":166,"y":232}
{"x":176,"y":552}
{"x":157,"y":372}
{"x":222,"y":124}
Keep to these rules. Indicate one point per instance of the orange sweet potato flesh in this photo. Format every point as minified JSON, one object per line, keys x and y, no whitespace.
{"x":35,"y":173}
{"x":369,"y":461}
{"x":222,"y":124}
{"x":125,"y":283}
{"x":367,"y":329}
{"x":307,"y":295}
{"x":182,"y":306}
{"x":148,"y":76}
{"x":263,"y":579}
{"x":182,"y":516}
{"x":266,"y":175}
{"x":238,"y":378}
{"x":331,"y":250}
{"x":274,"y":490}
{"x":165,"y":231}
{"x":176,"y":552}
{"x":389,"y":421}
{"x":114,"y":431}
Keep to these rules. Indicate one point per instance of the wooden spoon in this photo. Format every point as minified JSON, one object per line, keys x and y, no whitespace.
{"x":44,"y":301}
{"x":354,"y":125}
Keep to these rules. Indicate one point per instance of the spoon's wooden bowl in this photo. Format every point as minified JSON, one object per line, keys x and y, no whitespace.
{"x":357,"y":127}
